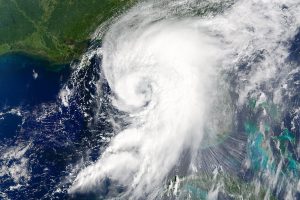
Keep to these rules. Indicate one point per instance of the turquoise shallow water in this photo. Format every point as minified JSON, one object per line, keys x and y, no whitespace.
{"x":32,"y":117}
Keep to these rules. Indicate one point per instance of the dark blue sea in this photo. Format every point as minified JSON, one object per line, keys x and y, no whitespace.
{"x":37,"y":137}
{"x":41,"y":139}
{"x":26,"y":82}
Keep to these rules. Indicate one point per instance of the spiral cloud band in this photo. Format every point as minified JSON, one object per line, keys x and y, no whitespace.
{"x":165,"y":77}
{"x":163,"y":70}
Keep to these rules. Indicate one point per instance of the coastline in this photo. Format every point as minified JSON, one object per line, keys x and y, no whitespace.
{"x":57,"y":31}
{"x":47,"y":63}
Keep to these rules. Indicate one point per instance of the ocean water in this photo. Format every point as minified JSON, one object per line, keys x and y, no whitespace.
{"x":34,"y":130}
{"x":44,"y":133}
{"x":24,"y":83}
{"x":26,"y":80}
{"x":55,"y":126}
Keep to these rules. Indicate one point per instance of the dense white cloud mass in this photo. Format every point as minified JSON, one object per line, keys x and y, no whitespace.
{"x":162,"y":76}
{"x":163,"y":68}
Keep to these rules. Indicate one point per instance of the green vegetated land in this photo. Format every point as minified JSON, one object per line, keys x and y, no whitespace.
{"x":58,"y":30}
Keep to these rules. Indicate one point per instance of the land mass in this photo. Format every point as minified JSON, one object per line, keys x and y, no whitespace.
{"x":56,"y":30}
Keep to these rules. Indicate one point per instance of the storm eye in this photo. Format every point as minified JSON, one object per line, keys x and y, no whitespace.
{"x":144,"y":89}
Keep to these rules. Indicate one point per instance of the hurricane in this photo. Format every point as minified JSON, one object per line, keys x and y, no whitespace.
{"x":181,"y":74}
